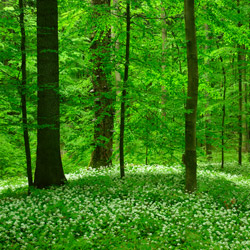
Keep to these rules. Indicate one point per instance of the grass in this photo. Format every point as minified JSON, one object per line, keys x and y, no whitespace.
{"x":146,"y":210}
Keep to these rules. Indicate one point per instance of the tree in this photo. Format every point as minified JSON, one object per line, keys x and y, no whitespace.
{"x":49,"y":169}
{"x":240,"y":71}
{"x":124,"y":90}
{"x":164,"y":52}
{"x":101,"y":79}
{"x":224,"y":87}
{"x":189,"y":157}
{"x":208,"y":138}
{"x":23,"y":96}
{"x":114,"y":33}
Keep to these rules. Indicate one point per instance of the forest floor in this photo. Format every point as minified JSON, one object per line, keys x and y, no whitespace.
{"x":146,"y":210}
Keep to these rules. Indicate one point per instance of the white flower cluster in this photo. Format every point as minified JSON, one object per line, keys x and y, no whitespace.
{"x":147,"y":209}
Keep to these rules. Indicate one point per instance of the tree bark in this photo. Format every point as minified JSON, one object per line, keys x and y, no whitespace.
{"x":23,"y":96}
{"x":49,"y":169}
{"x":246,"y":96}
{"x":240,"y":108}
{"x":117,"y":74}
{"x":190,"y":159}
{"x":124,"y":91}
{"x":240,"y":72}
{"x":208,"y":138}
{"x":164,"y":40}
{"x":223,"y":114}
{"x":104,"y":98}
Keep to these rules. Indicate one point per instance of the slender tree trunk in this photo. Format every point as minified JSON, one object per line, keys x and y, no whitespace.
{"x":104,"y":97}
{"x":240,"y":58}
{"x":164,"y":40}
{"x":49,"y":169}
{"x":207,"y":136}
{"x":190,"y":159}
{"x":208,"y":144}
{"x":124,"y":91}
{"x":247,"y":143}
{"x":240,"y":71}
{"x":223,"y":114}
{"x":117,"y":74}
{"x":23,"y":96}
{"x":245,"y":98}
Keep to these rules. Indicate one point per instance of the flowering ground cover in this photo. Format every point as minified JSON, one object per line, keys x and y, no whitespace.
{"x":146,"y":210}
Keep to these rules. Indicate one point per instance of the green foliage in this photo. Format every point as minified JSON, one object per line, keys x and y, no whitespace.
{"x":12,"y":159}
{"x":157,"y":80}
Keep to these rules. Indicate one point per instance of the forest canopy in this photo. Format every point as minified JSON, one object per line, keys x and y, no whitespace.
{"x":93,"y":87}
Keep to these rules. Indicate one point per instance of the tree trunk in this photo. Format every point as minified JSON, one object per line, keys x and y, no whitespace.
{"x":49,"y":169}
{"x":23,"y":97}
{"x":164,"y":39}
{"x":117,"y":74}
{"x":240,"y":111}
{"x":245,"y":126}
{"x":240,"y":59}
{"x":208,"y":144}
{"x":104,"y":98}
{"x":246,"y":96}
{"x":190,"y":159}
{"x":223,"y":114}
{"x":240,"y":72}
{"x":124,"y":91}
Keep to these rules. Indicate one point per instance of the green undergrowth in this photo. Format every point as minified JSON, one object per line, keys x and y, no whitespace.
{"x":146,"y":210}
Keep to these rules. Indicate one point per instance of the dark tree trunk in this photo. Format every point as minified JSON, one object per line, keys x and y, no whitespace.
{"x":223,"y":114}
{"x":246,"y":96}
{"x":104,"y":97}
{"x":49,"y":169}
{"x":240,"y":72}
{"x":23,"y":96}
{"x":240,"y":107}
{"x":164,"y":52}
{"x":124,"y":92}
{"x":240,"y":112}
{"x":189,"y":158}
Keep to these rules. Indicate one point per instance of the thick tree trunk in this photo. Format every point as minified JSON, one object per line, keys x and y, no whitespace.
{"x":23,"y":97}
{"x":124,"y":92}
{"x":104,"y":98}
{"x":49,"y":169}
{"x":189,"y":158}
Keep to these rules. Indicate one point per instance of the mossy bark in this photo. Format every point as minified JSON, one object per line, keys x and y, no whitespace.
{"x":104,"y":96}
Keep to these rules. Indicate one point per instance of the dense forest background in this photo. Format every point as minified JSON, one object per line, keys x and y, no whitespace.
{"x":130,"y":119}
{"x":156,"y":89}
